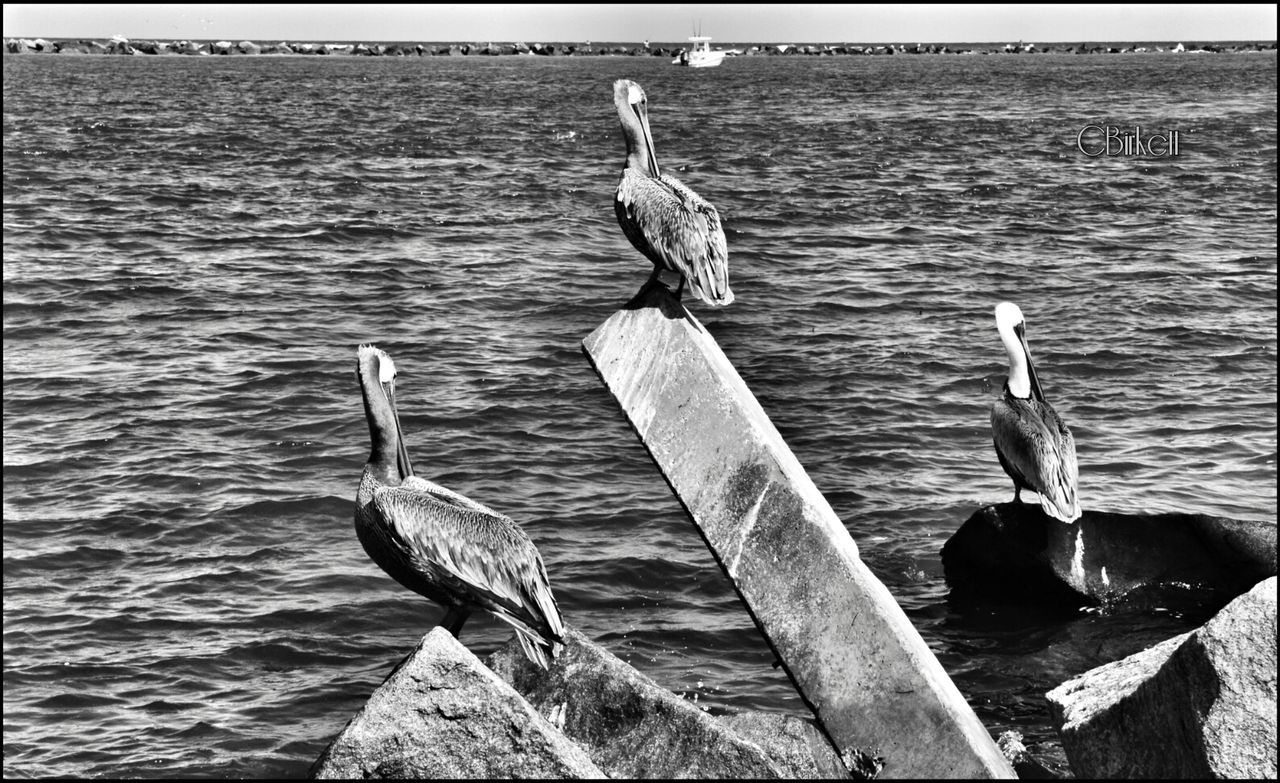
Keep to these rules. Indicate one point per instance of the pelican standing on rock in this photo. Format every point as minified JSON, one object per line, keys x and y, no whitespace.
{"x":1035,"y":448}
{"x":674,"y":227}
{"x":439,"y":543}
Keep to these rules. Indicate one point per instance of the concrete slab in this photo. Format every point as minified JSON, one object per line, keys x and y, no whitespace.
{"x":873,"y":684}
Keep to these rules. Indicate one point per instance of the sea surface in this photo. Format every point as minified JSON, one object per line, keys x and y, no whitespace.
{"x":194,"y":247}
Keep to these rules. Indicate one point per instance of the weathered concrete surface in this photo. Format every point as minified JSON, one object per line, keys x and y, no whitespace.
{"x":630,"y":726}
{"x":873,"y":684}
{"x":1014,"y":551}
{"x":443,"y":714}
{"x":1200,"y":705}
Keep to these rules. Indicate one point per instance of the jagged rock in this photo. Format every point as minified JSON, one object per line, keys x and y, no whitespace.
{"x":630,"y":726}
{"x":1199,"y":705}
{"x":443,"y":714}
{"x":1015,"y":552}
{"x":71,"y":47}
{"x":120,"y":45}
{"x":246,"y":47}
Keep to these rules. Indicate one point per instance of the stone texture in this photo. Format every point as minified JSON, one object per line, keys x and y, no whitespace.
{"x":873,"y":684}
{"x":794,"y":744}
{"x":443,"y":714}
{"x":1199,"y":705}
{"x":630,"y":726}
{"x":1014,"y":551}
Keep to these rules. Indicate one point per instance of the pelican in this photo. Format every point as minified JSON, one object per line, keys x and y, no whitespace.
{"x":439,"y":543}
{"x":674,"y":227}
{"x":1034,"y":446}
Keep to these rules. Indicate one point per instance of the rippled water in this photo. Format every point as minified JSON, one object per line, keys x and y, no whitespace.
{"x":194,"y":247}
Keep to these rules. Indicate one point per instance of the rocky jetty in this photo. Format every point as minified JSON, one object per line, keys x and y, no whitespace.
{"x":443,"y":713}
{"x":1200,"y":705}
{"x":1014,"y":552}
{"x":124,"y":46}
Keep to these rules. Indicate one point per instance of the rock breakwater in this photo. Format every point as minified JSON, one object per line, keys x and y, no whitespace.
{"x":119,"y":45}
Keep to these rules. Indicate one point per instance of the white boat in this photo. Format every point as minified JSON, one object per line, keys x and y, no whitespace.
{"x":700,"y":55}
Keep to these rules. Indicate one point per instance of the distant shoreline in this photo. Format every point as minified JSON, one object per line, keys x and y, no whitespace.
{"x":152,"y":47}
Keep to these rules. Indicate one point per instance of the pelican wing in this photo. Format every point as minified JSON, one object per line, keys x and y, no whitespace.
{"x":445,"y":495}
{"x":677,"y":228}
{"x":1039,"y":447}
{"x":480,"y":553}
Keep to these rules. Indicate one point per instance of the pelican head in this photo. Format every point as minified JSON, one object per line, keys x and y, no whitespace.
{"x":377,"y":374}
{"x":633,"y":111}
{"x":1012,"y":327}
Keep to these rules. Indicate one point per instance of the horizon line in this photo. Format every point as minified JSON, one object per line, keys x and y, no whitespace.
{"x":651,"y":43}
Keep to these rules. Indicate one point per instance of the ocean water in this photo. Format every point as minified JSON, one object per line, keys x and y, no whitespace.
{"x":194,"y":247}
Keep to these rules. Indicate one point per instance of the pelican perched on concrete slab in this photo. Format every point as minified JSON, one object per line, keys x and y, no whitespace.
{"x":1035,"y":448}
{"x":674,"y":227}
{"x":440,"y":544}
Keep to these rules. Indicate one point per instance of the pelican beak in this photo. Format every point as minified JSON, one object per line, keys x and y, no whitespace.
{"x":642,"y":114}
{"x":402,"y":454}
{"x":1021,"y":331}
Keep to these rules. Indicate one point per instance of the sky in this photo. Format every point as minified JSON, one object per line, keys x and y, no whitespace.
{"x":748,"y":22}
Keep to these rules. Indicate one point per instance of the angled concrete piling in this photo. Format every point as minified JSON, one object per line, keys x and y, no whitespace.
{"x":853,"y":655}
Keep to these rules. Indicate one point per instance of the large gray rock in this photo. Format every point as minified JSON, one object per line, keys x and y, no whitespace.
{"x":794,"y":744}
{"x":1200,"y":705}
{"x":1015,"y":552}
{"x":630,"y":726}
{"x":442,"y":714}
